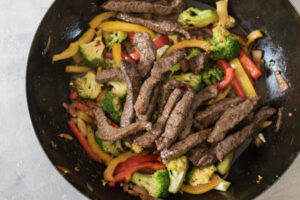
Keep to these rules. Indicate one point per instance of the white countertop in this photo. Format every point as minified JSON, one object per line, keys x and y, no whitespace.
{"x":25,"y":171}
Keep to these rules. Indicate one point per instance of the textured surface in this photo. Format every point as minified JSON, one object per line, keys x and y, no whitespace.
{"x":26,"y":172}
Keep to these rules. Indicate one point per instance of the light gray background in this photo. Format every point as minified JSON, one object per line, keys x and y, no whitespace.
{"x":25,"y":171}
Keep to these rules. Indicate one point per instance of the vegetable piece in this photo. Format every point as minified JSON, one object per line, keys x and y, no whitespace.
{"x":114,"y":148}
{"x":74,"y":46}
{"x":161,"y":41}
{"x":77,"y":58}
{"x":112,"y":106}
{"x":195,"y":18}
{"x":95,"y":147}
{"x":249,"y":66}
{"x":175,"y":68}
{"x":73,"y":95}
{"x":134,"y":147}
{"x":243,"y":78}
{"x":156,"y":184}
{"x":193,"y":52}
{"x":254,"y":35}
{"x":84,"y":116}
{"x":174,"y":38}
{"x":281,"y":82}
{"x":135,"y":56}
{"x":83,"y":141}
{"x":96,"y":21}
{"x":223,"y":185}
{"x":82,"y":127}
{"x":117,"y":54}
{"x":189,"y":78}
{"x":119,"y":88}
{"x":87,"y":87}
{"x":203,"y":188}
{"x":224,"y":166}
{"x":229,"y":76}
{"x":161,"y":51}
{"x":131,"y":36}
{"x":177,"y":170}
{"x":257,"y":56}
{"x":111,"y":26}
{"x":202,"y":44}
{"x":77,"y":69}
{"x":84,"y":108}
{"x":92,"y":52}
{"x":212,"y":76}
{"x":224,"y":19}
{"x":223,"y":46}
{"x":222,"y":95}
{"x":111,"y":38}
{"x":197,"y":176}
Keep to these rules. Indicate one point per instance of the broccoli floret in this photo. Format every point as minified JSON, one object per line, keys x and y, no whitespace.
{"x":111,"y":38}
{"x":134,"y":147}
{"x":119,"y":88}
{"x":177,"y":170}
{"x":112,"y":106}
{"x":87,"y":87}
{"x":223,"y":46}
{"x":154,"y":117}
{"x":114,"y":148}
{"x":189,"y":78}
{"x":174,"y":68}
{"x":196,"y":18}
{"x":193,"y":52}
{"x":197,"y":176}
{"x":92,"y":52}
{"x":156,"y":184}
{"x":212,"y":76}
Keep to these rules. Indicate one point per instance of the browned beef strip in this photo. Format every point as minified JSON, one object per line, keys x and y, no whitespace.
{"x":151,"y":107}
{"x":233,"y":141}
{"x":202,"y":156}
{"x":166,"y":91}
{"x":156,"y":8}
{"x":183,"y":146}
{"x":110,"y":75}
{"x":147,"y":140}
{"x":211,"y":114}
{"x":134,"y":82}
{"x":184,"y":65}
{"x":198,"y":62}
{"x":176,"y":121}
{"x":231,"y":117}
{"x":147,"y":49}
{"x":202,"y":96}
{"x":107,"y":132}
{"x":161,"y":26}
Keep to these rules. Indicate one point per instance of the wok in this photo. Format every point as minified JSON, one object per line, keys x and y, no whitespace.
{"x":47,"y":88}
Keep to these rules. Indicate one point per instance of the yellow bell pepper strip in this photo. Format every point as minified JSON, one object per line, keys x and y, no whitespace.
{"x":99,"y":70}
{"x":106,"y":158}
{"x":202,"y":44}
{"x":96,"y":21}
{"x":74,"y":46}
{"x":109,"y":171}
{"x":243,"y":78}
{"x":202,"y":188}
{"x":77,"y":58}
{"x":117,"y":53}
{"x":254,"y":35}
{"x":111,"y":26}
{"x":77,"y":69}
{"x":82,"y":115}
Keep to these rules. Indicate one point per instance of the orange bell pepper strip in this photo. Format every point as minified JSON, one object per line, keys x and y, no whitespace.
{"x":202,"y":44}
{"x":249,"y":66}
{"x":84,"y":108}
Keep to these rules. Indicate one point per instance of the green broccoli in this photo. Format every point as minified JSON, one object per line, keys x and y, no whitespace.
{"x":189,"y":78}
{"x":212,"y":76}
{"x":92,"y":52}
{"x":193,"y":52}
{"x":114,"y":148}
{"x":87,"y":87}
{"x":119,"y":88}
{"x":111,"y":38}
{"x":174,"y":68}
{"x":197,"y":176}
{"x":177,"y":170}
{"x":134,"y":147}
{"x":154,"y":117}
{"x":223,"y":46}
{"x":156,"y":184}
{"x":112,"y":106}
{"x":223,"y":185}
{"x":196,"y":18}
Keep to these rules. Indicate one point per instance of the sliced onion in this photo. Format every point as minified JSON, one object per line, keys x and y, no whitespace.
{"x":257,"y":56}
{"x":82,"y":126}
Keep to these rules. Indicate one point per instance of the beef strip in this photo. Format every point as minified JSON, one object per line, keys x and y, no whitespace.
{"x":211,"y":114}
{"x":202,"y":156}
{"x":233,"y":141}
{"x":161,"y":26}
{"x":231,"y":117}
{"x":151,"y":107}
{"x":184,"y":65}
{"x":166,"y":91}
{"x":185,"y":145}
{"x":176,"y":121}
{"x":134,"y":82}
{"x":202,"y":96}
{"x":279,"y":120}
{"x":198,"y":62}
{"x":107,"y":132}
{"x":147,"y":140}
{"x":156,"y":8}
{"x":110,"y":75}
{"x":147,"y":50}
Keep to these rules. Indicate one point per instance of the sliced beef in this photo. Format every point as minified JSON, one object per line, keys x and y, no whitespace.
{"x":202,"y":156}
{"x":134,"y":82}
{"x":202,"y":96}
{"x":176,"y":121}
{"x":183,"y":146}
{"x":198,"y":63}
{"x":147,"y":140}
{"x":156,"y":8}
{"x":231,"y":142}
{"x":161,"y":26}
{"x":184,"y":65}
{"x":110,"y":75}
{"x":231,"y":117}
{"x":107,"y":132}
{"x":211,"y":114}
{"x":147,"y":49}
{"x":151,"y":107}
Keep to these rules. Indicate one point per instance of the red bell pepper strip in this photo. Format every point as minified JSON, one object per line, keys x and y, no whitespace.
{"x":229,"y":74}
{"x":135,"y":56}
{"x":84,"y":108}
{"x":161,"y":41}
{"x":131,"y":36}
{"x":74,"y":95}
{"x":125,"y":56}
{"x":113,"y":124}
{"x":83,"y":141}
{"x":238,"y":89}
{"x":249,"y":66}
